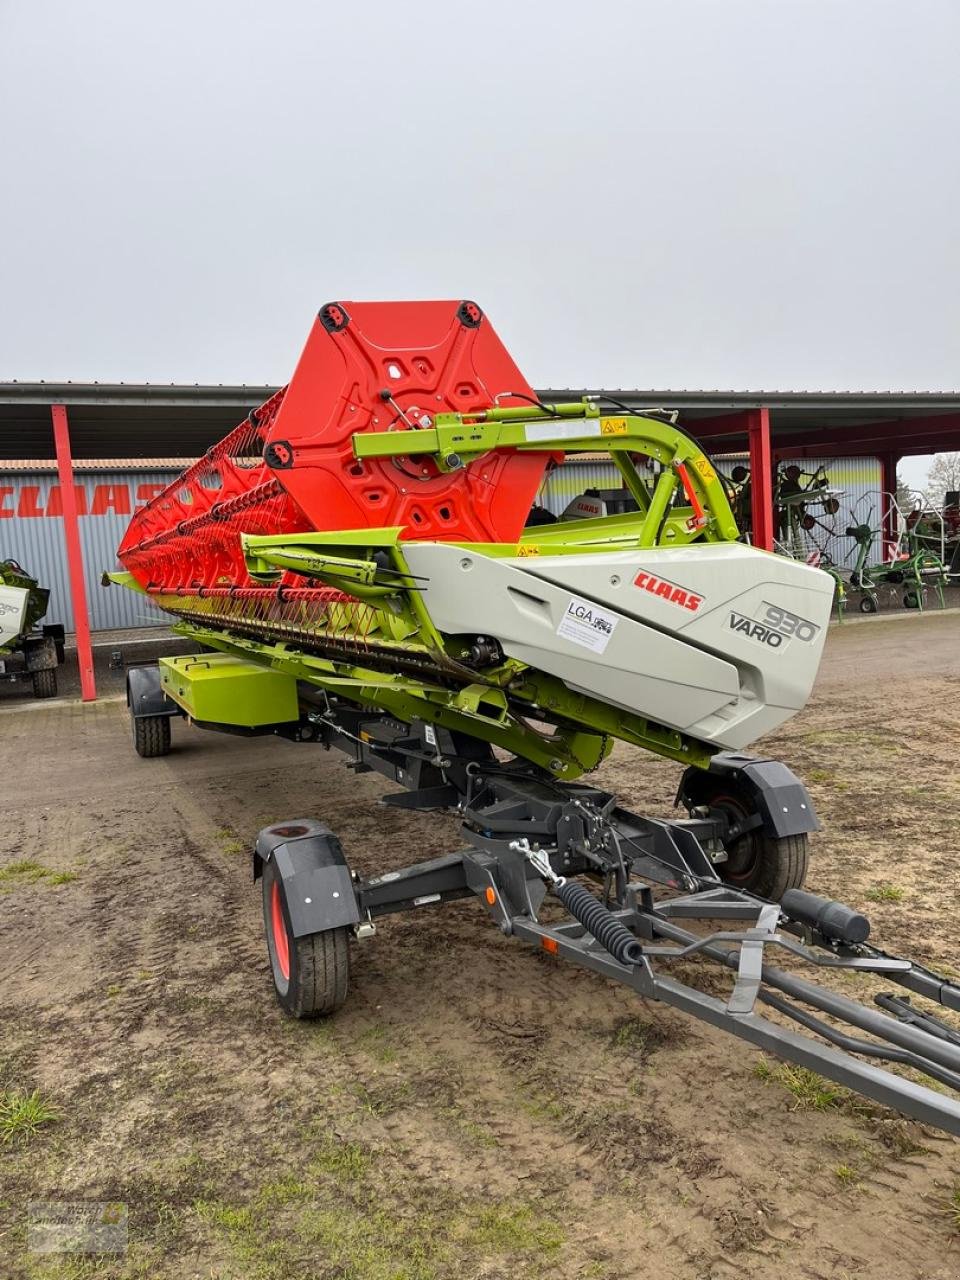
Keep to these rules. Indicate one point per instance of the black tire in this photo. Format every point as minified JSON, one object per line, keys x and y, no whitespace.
{"x":45,"y":683}
{"x":311,"y":975}
{"x":868,"y":604}
{"x":774,"y":866}
{"x":756,"y":862}
{"x":151,"y":736}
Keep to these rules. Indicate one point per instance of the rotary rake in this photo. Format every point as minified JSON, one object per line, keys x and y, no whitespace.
{"x":805,"y":507}
{"x":353,"y":565}
{"x":912,"y":566}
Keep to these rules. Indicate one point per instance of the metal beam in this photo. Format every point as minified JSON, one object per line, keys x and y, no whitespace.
{"x":761,"y":478}
{"x":126,"y":395}
{"x":725,"y":424}
{"x":888,"y":502}
{"x":871,"y":449}
{"x":738,"y":401}
{"x":876,"y":436}
{"x":71,"y":534}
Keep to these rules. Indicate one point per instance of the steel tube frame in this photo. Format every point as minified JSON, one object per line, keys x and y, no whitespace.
{"x":905,"y":1096}
{"x":837,"y":1006}
{"x":511,"y":895}
{"x":71,"y":533}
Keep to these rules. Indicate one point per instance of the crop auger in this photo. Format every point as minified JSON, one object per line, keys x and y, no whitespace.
{"x":354,"y":567}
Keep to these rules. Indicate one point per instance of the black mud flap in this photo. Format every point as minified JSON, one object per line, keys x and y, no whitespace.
{"x":316,"y":880}
{"x":54,"y":631}
{"x":40,"y":653}
{"x":776,"y":793}
{"x":145,"y":696}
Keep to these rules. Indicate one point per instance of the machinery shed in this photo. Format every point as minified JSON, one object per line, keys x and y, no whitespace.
{"x":76,"y":459}
{"x":107,"y":493}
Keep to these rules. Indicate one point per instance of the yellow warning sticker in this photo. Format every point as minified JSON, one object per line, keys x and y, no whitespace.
{"x":527,"y":549}
{"x":705,"y":469}
{"x":613,"y":426}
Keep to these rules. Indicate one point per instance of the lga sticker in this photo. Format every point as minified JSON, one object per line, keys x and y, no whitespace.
{"x":588,"y":625}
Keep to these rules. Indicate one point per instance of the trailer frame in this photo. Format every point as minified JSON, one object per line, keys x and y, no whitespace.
{"x":527,"y":835}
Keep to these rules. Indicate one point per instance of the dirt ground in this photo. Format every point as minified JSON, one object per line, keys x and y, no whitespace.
{"x":476,"y":1110}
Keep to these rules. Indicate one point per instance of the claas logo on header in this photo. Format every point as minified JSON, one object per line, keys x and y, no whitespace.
{"x":668,"y":591}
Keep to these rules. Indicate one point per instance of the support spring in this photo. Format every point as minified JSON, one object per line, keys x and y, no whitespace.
{"x":598,"y":921}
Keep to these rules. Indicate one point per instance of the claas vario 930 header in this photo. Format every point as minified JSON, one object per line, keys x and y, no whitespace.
{"x":356,"y":566}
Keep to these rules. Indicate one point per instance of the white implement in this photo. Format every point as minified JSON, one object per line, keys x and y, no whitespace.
{"x":13,"y":613}
{"x":722,"y":642}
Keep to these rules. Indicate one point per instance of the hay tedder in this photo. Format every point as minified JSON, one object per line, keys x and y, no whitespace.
{"x":354,"y":566}
{"x":912,"y":569}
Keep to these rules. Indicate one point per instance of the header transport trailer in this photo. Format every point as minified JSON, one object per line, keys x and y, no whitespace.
{"x":354,"y":567}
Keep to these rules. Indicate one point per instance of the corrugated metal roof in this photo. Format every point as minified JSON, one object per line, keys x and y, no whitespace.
{"x":769,"y":397}
{"x":122,"y":420}
{"x":44,"y":465}
{"x":242,"y":395}
{"x":17,"y":391}
{"x":134,"y":393}
{"x":97,"y":464}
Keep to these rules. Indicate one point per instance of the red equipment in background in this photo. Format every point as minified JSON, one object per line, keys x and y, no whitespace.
{"x":370,"y":366}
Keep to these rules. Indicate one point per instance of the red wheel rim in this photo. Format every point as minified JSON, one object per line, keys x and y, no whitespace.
{"x":280,"y":943}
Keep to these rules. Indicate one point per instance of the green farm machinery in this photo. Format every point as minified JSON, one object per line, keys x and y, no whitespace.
{"x":912,"y":570}
{"x":354,"y":567}
{"x":27,"y":648}
{"x":937,"y":529}
{"x":804,"y":507}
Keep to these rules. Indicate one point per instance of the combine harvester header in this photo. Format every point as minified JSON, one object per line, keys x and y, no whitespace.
{"x":358,"y":553}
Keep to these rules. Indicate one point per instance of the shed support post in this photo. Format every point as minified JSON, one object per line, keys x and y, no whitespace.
{"x":71,"y":533}
{"x":761,"y":477}
{"x":888,"y":502}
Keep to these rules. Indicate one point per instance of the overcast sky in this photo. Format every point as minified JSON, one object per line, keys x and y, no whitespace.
{"x":655,"y":193}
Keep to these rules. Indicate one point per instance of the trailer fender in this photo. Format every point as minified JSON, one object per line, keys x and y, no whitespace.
{"x":317,"y":883}
{"x":54,"y":631}
{"x":777,"y":795}
{"x":145,"y":697}
{"x":39,"y":653}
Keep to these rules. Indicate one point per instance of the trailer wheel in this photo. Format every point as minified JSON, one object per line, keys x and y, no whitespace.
{"x":45,"y":683}
{"x":760,"y":863}
{"x":151,"y":736}
{"x":911,"y":600}
{"x":868,"y":604}
{"x":311,"y":974}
